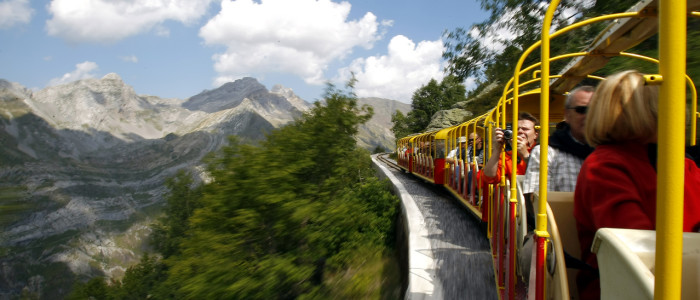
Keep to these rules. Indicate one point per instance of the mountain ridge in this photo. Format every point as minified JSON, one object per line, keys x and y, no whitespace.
{"x":83,"y":164}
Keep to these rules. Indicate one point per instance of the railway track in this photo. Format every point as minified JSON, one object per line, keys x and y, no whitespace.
{"x":384,"y":158}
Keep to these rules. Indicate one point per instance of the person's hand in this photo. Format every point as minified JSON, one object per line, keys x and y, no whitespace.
{"x":498,"y":141}
{"x":523,"y":147}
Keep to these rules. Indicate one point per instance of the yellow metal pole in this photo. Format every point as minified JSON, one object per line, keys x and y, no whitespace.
{"x":541,"y":229}
{"x":694,"y":113}
{"x":502,"y":160}
{"x":488,"y":136}
{"x":671,"y":137}
{"x":544,"y":116}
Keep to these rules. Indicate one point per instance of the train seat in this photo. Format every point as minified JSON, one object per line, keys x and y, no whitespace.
{"x":562,"y":205}
{"x":562,"y":228}
{"x":562,"y":208}
{"x":626,"y":262}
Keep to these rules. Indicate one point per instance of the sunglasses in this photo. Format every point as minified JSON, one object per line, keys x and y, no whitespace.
{"x":579,"y":109}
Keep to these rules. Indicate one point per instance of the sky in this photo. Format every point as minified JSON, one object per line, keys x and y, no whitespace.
{"x":179,"y":48}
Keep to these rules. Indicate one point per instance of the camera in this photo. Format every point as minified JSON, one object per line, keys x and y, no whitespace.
{"x":508,"y":134}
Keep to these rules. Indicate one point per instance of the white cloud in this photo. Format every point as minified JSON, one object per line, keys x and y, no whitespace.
{"x":161,"y":30}
{"x":82,"y":71}
{"x":470,"y":83}
{"x":107,"y":21}
{"x":500,"y":32}
{"x":130,"y":58}
{"x":14,"y":12}
{"x":497,"y":34}
{"x":572,"y":13}
{"x":398,"y":74}
{"x":299,"y":37}
{"x":221,"y":80}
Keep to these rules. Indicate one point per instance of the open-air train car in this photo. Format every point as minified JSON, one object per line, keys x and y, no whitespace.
{"x":634,"y":264}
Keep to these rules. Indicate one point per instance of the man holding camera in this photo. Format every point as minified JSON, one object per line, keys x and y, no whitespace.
{"x":527,"y":137}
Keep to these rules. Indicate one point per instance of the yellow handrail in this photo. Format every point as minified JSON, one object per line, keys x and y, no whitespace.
{"x":541,"y":223}
{"x":669,"y":193}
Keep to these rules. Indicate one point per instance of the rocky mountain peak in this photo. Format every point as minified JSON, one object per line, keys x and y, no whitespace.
{"x":4,"y":84}
{"x":289,"y":94}
{"x":112,"y":76}
{"x":14,"y":89}
{"x":282,"y":91}
{"x":107,"y":105}
{"x":226,"y":96}
{"x":243,"y":85}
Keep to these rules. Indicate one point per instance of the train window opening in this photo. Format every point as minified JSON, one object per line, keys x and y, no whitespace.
{"x":440,"y":149}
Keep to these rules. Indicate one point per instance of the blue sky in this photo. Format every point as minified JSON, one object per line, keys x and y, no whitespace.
{"x":178,"y":48}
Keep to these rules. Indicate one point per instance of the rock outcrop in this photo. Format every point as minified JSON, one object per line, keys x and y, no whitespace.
{"x":447,"y":118}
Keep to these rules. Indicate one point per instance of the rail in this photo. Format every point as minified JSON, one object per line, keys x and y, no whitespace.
{"x":384,"y":158}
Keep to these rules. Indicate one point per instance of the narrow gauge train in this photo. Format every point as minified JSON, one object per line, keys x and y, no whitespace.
{"x":629,"y":266}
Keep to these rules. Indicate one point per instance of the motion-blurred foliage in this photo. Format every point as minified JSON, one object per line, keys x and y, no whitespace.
{"x":425,"y":102}
{"x":470,"y":56}
{"x":301,"y":215}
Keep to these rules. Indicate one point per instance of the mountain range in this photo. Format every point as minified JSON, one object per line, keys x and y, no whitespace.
{"x":83,"y":166}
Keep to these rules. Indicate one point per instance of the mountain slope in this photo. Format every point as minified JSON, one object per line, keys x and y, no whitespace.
{"x":377,"y":131}
{"x":82,"y":169}
{"x":83,"y":165}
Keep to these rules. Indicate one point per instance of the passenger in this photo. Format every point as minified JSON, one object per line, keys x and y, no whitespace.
{"x":428,"y":148}
{"x":567,"y":147}
{"x":527,"y":137}
{"x":475,"y":149}
{"x":431,"y":148}
{"x":407,"y":151}
{"x":475,"y":145}
{"x":452,"y":156}
{"x":455,"y":154}
{"x":566,"y":152}
{"x":617,"y":183}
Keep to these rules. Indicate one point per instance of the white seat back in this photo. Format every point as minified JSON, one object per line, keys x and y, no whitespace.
{"x":626,"y":263}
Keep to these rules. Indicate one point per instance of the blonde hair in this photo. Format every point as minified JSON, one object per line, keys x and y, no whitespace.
{"x":623,"y":109}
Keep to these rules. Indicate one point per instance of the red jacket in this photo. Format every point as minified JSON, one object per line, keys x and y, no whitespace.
{"x":522,"y":167}
{"x":617,"y":188}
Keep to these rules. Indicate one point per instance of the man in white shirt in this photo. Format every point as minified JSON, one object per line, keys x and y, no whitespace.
{"x":567,"y":147}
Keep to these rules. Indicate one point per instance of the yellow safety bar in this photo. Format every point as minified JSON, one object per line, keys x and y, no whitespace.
{"x":541,"y":218}
{"x":669,"y":227}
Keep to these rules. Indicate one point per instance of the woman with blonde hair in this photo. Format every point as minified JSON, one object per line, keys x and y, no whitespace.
{"x":617,"y":183}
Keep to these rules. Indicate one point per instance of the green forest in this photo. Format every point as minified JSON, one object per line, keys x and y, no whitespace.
{"x":301,"y":215}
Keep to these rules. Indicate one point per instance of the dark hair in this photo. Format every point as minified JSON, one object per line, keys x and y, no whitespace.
{"x":523,"y":115}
